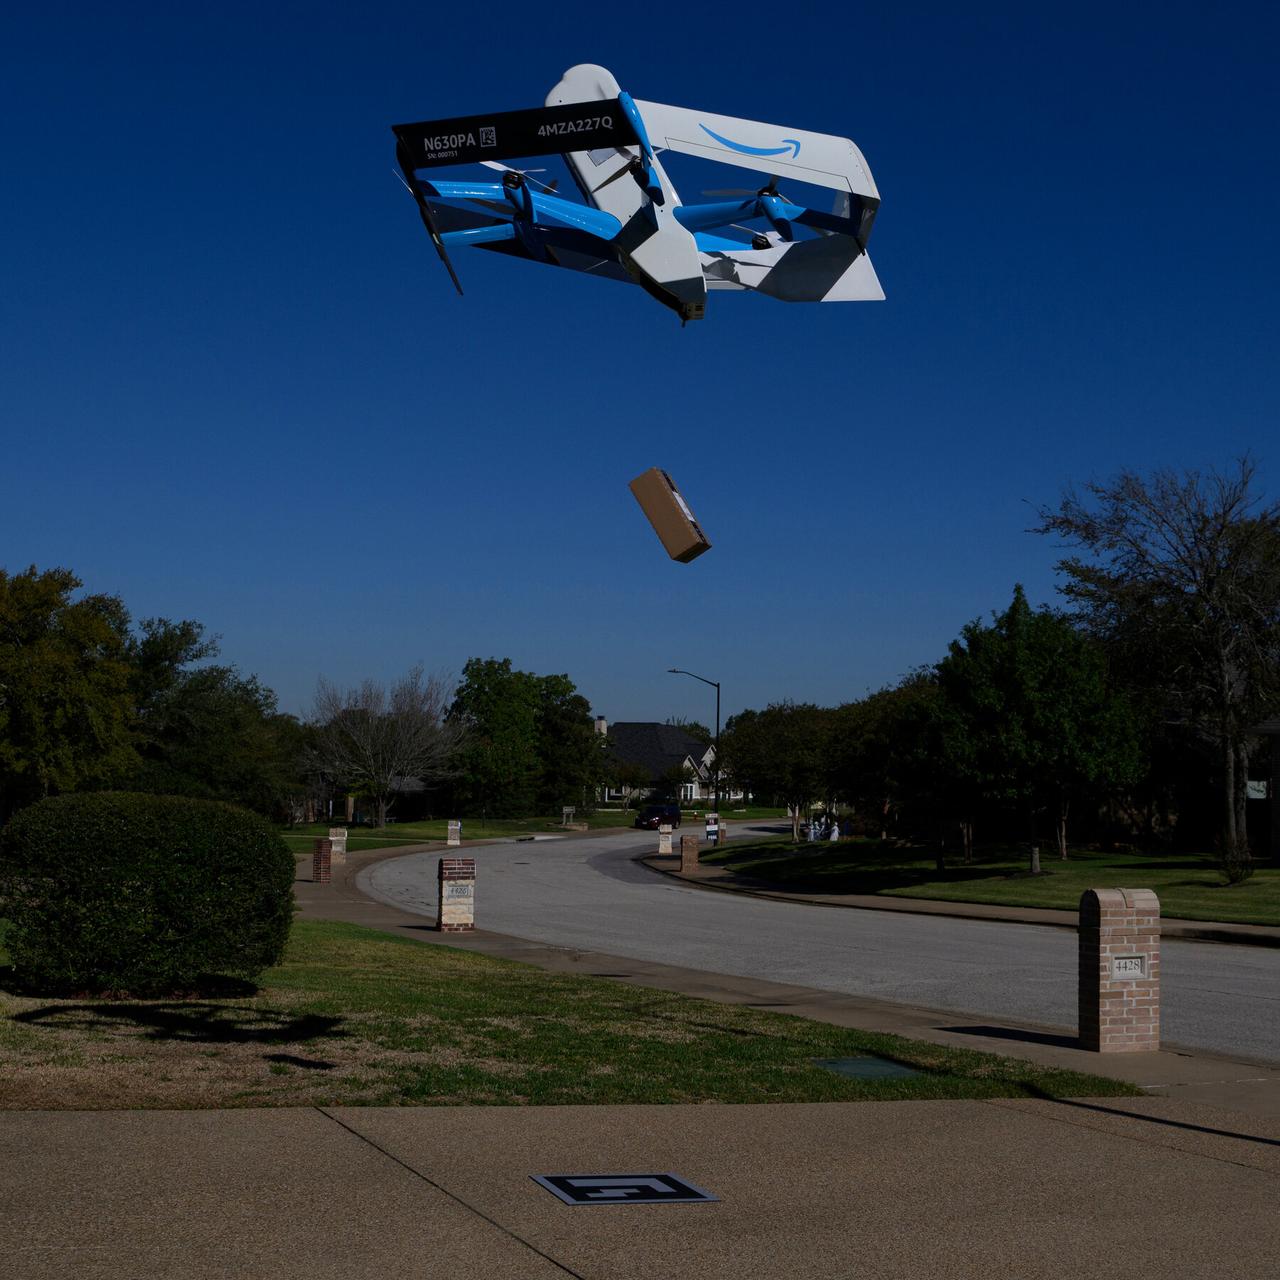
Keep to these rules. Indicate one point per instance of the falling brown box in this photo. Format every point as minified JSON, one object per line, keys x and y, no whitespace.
{"x":669,"y":514}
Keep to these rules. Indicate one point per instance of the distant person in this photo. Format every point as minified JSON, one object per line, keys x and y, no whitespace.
{"x":834,"y":832}
{"x":813,"y":829}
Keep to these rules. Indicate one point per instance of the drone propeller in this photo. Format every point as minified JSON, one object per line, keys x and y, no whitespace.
{"x":635,"y":166}
{"x":424,"y":212}
{"x":640,"y":167}
{"x":549,"y":187}
{"x":768,"y":205}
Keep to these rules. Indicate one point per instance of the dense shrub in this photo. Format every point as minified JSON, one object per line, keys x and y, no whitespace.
{"x":144,"y":894}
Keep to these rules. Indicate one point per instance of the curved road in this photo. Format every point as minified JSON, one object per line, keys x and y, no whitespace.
{"x":590,"y":894}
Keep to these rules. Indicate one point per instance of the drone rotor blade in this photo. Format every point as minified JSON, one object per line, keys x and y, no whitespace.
{"x":428,"y":221}
{"x":729,"y":192}
{"x":626,"y":169}
{"x":430,"y":224}
{"x":549,"y":187}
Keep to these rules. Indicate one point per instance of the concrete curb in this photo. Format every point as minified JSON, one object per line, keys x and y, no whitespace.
{"x":1184,"y":930}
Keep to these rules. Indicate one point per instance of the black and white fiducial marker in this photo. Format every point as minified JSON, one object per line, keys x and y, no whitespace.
{"x":624,"y":1188}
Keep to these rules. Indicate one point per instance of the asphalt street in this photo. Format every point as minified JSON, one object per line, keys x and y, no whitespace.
{"x":591,"y":894}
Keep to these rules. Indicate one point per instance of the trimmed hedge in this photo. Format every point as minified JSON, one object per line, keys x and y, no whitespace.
{"x":141,"y":894}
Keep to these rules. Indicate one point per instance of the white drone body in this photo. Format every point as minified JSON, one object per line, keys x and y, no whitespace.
{"x":633,"y":225}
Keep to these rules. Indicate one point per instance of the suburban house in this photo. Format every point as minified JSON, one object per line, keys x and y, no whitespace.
{"x":657,"y":755}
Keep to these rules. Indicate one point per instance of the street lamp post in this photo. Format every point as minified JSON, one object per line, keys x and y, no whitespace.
{"x":715,"y":684}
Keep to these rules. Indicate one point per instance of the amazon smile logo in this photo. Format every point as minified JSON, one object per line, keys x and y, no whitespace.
{"x":792,"y":145}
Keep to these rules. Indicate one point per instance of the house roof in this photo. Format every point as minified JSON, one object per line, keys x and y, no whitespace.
{"x":658,"y":747}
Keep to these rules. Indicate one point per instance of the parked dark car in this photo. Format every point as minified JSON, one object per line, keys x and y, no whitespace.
{"x":652,"y":816}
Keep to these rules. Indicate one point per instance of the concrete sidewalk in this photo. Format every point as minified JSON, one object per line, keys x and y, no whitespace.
{"x":1143,"y":1188}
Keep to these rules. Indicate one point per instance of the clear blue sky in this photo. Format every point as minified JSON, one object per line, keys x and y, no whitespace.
{"x":236,"y":386}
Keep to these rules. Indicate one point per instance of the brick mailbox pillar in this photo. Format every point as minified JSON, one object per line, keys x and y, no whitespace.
{"x":1119,"y":970}
{"x":321,"y":857}
{"x":664,"y":837}
{"x":688,"y":854}
{"x":457,"y":910}
{"x":338,"y":838}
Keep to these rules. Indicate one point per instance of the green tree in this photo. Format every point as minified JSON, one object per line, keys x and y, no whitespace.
{"x":161,"y":653}
{"x":694,"y":728}
{"x":780,"y":752}
{"x":1180,"y":572}
{"x":531,"y":742}
{"x":66,"y":702}
{"x":1031,"y":714}
{"x":877,"y":748}
{"x":670,"y":781}
{"x":635,"y":779}
{"x":571,"y":754}
{"x":88,"y":701}
{"x":499,"y":768}
{"x":215,"y":734}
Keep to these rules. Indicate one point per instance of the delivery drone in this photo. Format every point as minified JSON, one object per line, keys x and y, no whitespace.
{"x":633,"y":225}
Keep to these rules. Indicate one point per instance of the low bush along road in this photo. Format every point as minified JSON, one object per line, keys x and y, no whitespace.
{"x":355,"y":1016}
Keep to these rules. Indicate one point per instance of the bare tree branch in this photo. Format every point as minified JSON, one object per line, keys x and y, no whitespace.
{"x":1182,"y":571}
{"x":374,"y":737}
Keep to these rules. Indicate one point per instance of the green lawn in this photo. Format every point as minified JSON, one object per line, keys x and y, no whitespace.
{"x":354,"y":1016}
{"x":1188,"y":885}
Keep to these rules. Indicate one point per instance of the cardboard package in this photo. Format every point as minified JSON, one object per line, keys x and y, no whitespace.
{"x":669,"y":514}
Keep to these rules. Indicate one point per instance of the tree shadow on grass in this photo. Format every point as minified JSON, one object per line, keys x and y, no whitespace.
{"x":208,"y":986}
{"x":202,"y":1023}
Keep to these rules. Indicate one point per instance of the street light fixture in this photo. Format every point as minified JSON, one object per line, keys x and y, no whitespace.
{"x":715,"y":684}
